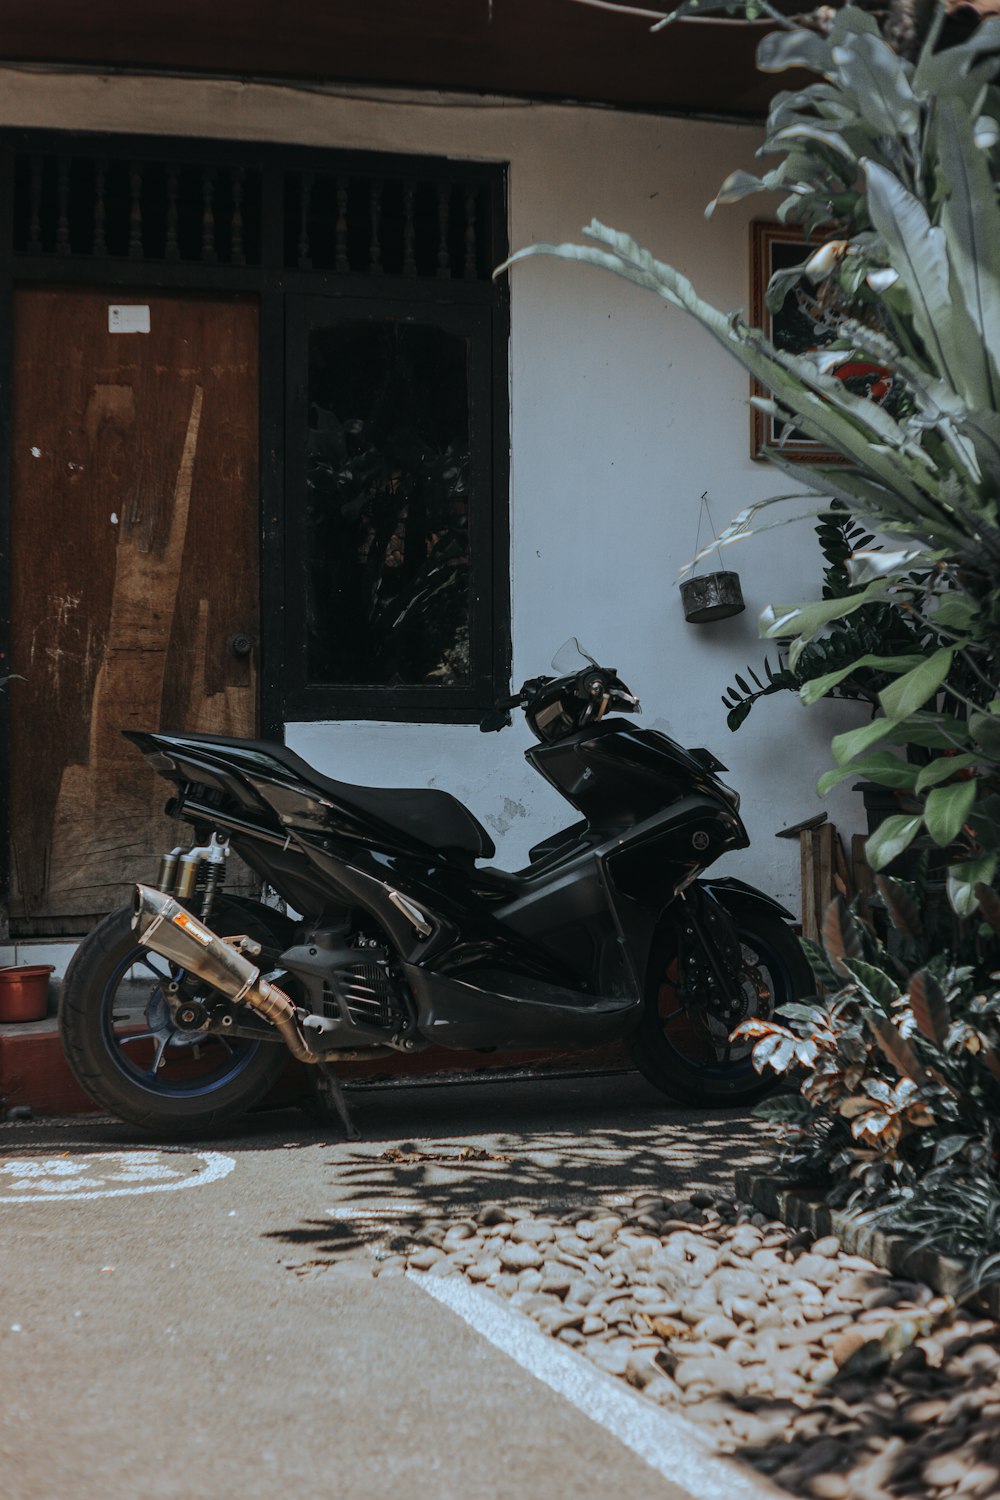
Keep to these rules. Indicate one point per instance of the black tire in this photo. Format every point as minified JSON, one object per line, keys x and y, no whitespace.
{"x":680,"y":1054}
{"x":195,"y":1082}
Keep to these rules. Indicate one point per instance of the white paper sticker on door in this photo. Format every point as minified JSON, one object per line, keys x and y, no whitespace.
{"x":130,"y":318}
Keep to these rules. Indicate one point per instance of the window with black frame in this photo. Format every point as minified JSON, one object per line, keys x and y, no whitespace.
{"x":393,"y":546}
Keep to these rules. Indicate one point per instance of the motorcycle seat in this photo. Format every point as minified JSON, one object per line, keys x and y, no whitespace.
{"x":435,"y":818}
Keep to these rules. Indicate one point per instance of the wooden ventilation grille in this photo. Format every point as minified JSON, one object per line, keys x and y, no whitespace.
{"x":137,"y":210}
{"x":370,"y":225}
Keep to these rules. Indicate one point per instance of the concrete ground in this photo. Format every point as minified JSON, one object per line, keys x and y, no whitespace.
{"x":201,"y":1321}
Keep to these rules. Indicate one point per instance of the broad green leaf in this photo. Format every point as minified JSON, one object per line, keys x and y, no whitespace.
{"x":780,"y":284}
{"x":931,"y":731}
{"x":874,"y":562}
{"x":919,"y":252}
{"x":963,"y":879}
{"x":778,"y":621}
{"x":884,"y":768}
{"x":912,"y":691}
{"x":866,"y":494}
{"x":954,"y":612}
{"x":970,"y":217}
{"x":877,"y":77}
{"x":855,"y":741}
{"x":942,"y":71}
{"x":811,"y":692}
{"x":942,"y":770}
{"x":946,"y":809}
{"x":853,"y":21}
{"x":822,"y":135}
{"x":794,"y":49}
{"x":985,"y":731}
{"x":739,"y":185}
{"x":891,"y":838}
{"x":876,"y":984}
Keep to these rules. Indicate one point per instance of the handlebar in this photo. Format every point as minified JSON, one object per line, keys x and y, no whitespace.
{"x":596,"y":687}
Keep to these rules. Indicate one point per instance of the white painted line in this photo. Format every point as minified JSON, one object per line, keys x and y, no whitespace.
{"x":365,"y":1211}
{"x":65,"y":1179}
{"x":669,"y":1444}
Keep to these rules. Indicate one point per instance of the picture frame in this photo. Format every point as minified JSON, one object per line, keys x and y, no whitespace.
{"x":778,"y":247}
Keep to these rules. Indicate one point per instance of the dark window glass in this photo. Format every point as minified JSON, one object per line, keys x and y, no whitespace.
{"x":387,"y":556}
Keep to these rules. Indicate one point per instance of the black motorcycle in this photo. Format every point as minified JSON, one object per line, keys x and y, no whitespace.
{"x":174,"y":1011}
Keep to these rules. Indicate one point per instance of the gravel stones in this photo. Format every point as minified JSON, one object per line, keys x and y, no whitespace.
{"x":834,"y":1379}
{"x":518,"y":1255}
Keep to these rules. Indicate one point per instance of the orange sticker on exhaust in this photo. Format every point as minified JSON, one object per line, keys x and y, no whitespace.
{"x":192,"y":928}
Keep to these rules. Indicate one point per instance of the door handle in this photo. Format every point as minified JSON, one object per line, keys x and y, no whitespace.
{"x":240,"y":644}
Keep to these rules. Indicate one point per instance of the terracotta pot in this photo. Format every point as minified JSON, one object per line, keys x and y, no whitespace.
{"x":24,"y":992}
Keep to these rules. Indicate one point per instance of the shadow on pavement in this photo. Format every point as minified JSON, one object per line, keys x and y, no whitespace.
{"x":450,"y":1167}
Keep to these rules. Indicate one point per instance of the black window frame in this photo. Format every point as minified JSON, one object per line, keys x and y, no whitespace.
{"x":469,"y":317}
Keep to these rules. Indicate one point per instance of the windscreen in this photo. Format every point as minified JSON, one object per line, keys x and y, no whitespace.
{"x":571,"y":657}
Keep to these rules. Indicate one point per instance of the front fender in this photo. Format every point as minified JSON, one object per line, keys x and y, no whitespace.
{"x":726,"y":885}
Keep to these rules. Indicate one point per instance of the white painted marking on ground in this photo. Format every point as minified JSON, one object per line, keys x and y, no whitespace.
{"x":669,"y":1444}
{"x":372,"y":1210}
{"x":63,"y":1179}
{"x":366,"y":1211}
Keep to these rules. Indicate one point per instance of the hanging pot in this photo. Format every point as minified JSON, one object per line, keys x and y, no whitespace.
{"x":713,"y":596}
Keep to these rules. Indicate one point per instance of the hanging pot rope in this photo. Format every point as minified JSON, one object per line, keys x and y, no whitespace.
{"x":710,"y":596}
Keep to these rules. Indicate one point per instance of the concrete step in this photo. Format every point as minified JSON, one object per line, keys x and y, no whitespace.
{"x":35,"y":1075}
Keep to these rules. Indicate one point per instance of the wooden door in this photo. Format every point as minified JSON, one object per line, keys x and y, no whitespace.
{"x":134,"y":530}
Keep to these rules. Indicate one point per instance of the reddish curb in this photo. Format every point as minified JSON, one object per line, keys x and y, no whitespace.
{"x":34,"y":1073}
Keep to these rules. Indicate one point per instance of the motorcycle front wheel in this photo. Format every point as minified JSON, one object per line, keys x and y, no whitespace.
{"x":126,"y":1053}
{"x":686,"y":1052}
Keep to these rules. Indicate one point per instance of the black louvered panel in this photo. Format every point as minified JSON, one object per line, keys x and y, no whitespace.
{"x":135,"y":212}
{"x":148,"y":211}
{"x":209,"y":253}
{"x":368,"y":994}
{"x":397,"y":226}
{"x":99,"y":242}
{"x":207,"y":213}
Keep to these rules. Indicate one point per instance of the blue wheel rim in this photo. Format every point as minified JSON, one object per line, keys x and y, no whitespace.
{"x":148,"y":1050}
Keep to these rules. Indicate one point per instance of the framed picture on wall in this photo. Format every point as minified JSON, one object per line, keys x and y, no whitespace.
{"x":778,"y":247}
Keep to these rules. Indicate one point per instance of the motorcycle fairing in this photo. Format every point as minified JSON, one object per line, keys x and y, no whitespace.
{"x":555,"y":954}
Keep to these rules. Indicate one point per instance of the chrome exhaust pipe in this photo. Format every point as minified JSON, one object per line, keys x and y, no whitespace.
{"x":161,"y":923}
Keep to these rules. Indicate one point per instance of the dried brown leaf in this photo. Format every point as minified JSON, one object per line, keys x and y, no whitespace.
{"x":841,"y":937}
{"x":903,"y":912}
{"x":930,"y":1009}
{"x":896,"y":1048}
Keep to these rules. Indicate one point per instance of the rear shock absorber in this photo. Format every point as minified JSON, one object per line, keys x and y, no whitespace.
{"x":215,"y":872}
{"x":198,"y":872}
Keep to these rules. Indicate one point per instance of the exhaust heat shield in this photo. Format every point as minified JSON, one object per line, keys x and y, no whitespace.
{"x":161,"y":923}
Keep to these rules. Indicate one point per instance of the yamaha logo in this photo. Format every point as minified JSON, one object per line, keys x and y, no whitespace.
{"x":700,"y":840}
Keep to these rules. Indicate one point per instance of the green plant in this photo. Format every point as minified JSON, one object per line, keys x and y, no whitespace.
{"x":898,"y":1071}
{"x":892,"y":166}
{"x":875,"y":629}
{"x":897,"y":162}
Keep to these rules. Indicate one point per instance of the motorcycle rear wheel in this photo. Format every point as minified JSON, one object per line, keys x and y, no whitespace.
{"x":684,"y":1053}
{"x":126,"y":1054}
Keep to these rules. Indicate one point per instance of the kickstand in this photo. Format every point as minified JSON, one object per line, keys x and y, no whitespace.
{"x":329,"y":1097}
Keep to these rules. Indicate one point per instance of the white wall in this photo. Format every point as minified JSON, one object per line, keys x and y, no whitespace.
{"x":622,"y":413}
